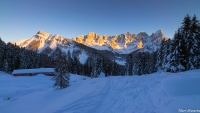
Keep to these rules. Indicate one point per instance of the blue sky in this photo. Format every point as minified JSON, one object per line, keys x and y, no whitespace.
{"x":21,"y":19}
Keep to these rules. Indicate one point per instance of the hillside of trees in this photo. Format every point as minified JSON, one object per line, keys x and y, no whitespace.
{"x":181,"y":53}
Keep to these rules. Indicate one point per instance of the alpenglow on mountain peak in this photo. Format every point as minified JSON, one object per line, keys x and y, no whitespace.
{"x":122,"y":44}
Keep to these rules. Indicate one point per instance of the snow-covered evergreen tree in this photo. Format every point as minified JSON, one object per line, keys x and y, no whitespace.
{"x":115,"y":69}
{"x":176,"y":55}
{"x":129,"y":64}
{"x":5,"y":66}
{"x":184,"y":49}
{"x":138,"y":64}
{"x":159,"y":56}
{"x":96,"y":70}
{"x":165,"y":55}
{"x":195,"y":35}
{"x":2,"y":51}
{"x":152,"y":62}
{"x":61,"y":77}
{"x":76,"y":66}
{"x":69,"y":61}
{"x":146,"y":63}
{"x":187,"y":41}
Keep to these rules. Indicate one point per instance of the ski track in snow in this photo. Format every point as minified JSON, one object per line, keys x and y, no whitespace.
{"x":115,"y":97}
{"x":122,"y":94}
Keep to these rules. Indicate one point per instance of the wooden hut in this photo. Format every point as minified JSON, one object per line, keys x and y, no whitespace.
{"x":31,"y":72}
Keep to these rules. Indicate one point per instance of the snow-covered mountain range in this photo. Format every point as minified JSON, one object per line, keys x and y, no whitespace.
{"x":123,"y":43}
{"x":111,"y":46}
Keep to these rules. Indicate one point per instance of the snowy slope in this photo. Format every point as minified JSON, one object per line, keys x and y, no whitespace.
{"x":19,"y":41}
{"x":154,"y":93}
{"x":42,"y":40}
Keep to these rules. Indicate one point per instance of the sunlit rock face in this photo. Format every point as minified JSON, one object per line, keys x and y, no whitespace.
{"x":90,"y":38}
{"x":114,"y":43}
{"x":101,"y":41}
{"x":140,"y":44}
{"x":42,"y":34}
{"x":123,"y":43}
{"x":127,"y":39}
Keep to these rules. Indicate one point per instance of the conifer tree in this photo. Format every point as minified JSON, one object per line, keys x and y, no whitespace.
{"x":109,"y":68}
{"x":152,"y":62}
{"x":195,"y":35}
{"x":61,"y":76}
{"x":76,"y":65}
{"x":129,"y":64}
{"x":114,"y":69}
{"x":2,"y":51}
{"x":159,"y":56}
{"x":138,"y":64}
{"x":165,"y":55}
{"x":5,"y":66}
{"x":96,"y":70}
{"x":176,"y":55}
{"x":187,"y":40}
{"x":69,"y":61}
{"x":146,"y":63}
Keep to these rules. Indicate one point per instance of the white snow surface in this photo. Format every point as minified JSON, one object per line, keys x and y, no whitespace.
{"x":121,"y":62}
{"x":153,"y":93}
{"x":83,"y":57}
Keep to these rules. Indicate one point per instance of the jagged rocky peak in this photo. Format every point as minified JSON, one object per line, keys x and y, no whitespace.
{"x":143,"y":34}
{"x":129,"y":37}
{"x":88,"y":39}
{"x":157,"y":34}
{"x":122,"y":41}
{"x":105,"y":37}
{"x":121,"y":38}
{"x":42,"y":34}
{"x":80,"y":39}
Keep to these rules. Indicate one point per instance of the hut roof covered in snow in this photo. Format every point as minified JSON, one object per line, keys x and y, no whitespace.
{"x":46,"y":71}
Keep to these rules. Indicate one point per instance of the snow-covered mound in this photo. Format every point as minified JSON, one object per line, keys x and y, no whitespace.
{"x":154,"y":93}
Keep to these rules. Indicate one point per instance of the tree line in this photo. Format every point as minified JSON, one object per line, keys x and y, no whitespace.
{"x":91,"y":68}
{"x":14,"y":57}
{"x":181,"y":53}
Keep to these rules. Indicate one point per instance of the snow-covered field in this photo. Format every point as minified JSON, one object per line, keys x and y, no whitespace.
{"x":154,"y":93}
